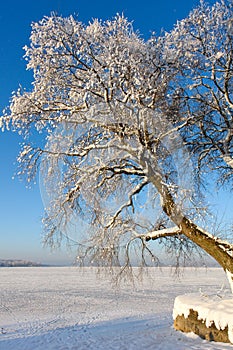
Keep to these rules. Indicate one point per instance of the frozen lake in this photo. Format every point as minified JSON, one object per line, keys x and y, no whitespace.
{"x":68,"y":308}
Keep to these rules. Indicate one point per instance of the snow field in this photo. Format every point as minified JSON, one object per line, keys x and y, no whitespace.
{"x":69,"y":308}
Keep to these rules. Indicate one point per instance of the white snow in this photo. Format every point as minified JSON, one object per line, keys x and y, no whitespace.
{"x":230,"y":279}
{"x":211,"y":309}
{"x":66,"y":308}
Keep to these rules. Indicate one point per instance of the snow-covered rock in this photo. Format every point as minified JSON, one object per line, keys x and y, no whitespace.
{"x":213,"y":311}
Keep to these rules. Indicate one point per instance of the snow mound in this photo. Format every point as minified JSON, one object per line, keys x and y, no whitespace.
{"x":218,"y":312}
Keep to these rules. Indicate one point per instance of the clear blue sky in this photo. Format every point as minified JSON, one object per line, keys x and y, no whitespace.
{"x":21,"y":209}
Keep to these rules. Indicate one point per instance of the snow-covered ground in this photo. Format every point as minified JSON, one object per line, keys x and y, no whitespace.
{"x":68,"y":308}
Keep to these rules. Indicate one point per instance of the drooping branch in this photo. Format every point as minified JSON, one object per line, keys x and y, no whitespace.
{"x":137,"y":189}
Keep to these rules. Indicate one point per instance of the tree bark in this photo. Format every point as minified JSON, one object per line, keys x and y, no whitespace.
{"x":210,"y":244}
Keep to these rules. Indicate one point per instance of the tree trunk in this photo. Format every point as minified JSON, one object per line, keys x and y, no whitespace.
{"x":211,"y":245}
{"x":208,"y":243}
{"x":220,"y":250}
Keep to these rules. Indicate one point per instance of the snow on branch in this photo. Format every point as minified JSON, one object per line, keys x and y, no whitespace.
{"x":167,"y":232}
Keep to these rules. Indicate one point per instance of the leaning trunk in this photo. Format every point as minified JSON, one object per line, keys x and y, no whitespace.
{"x":213,"y":246}
{"x":218,"y":249}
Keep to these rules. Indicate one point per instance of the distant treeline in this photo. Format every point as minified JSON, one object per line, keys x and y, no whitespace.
{"x":18,"y":263}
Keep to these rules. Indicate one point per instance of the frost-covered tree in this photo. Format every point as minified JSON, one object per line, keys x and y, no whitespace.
{"x":133,"y":130}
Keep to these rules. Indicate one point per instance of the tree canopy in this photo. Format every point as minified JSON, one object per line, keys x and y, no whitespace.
{"x":133,"y":128}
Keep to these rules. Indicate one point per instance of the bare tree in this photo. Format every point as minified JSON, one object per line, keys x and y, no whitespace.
{"x":131,"y":127}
